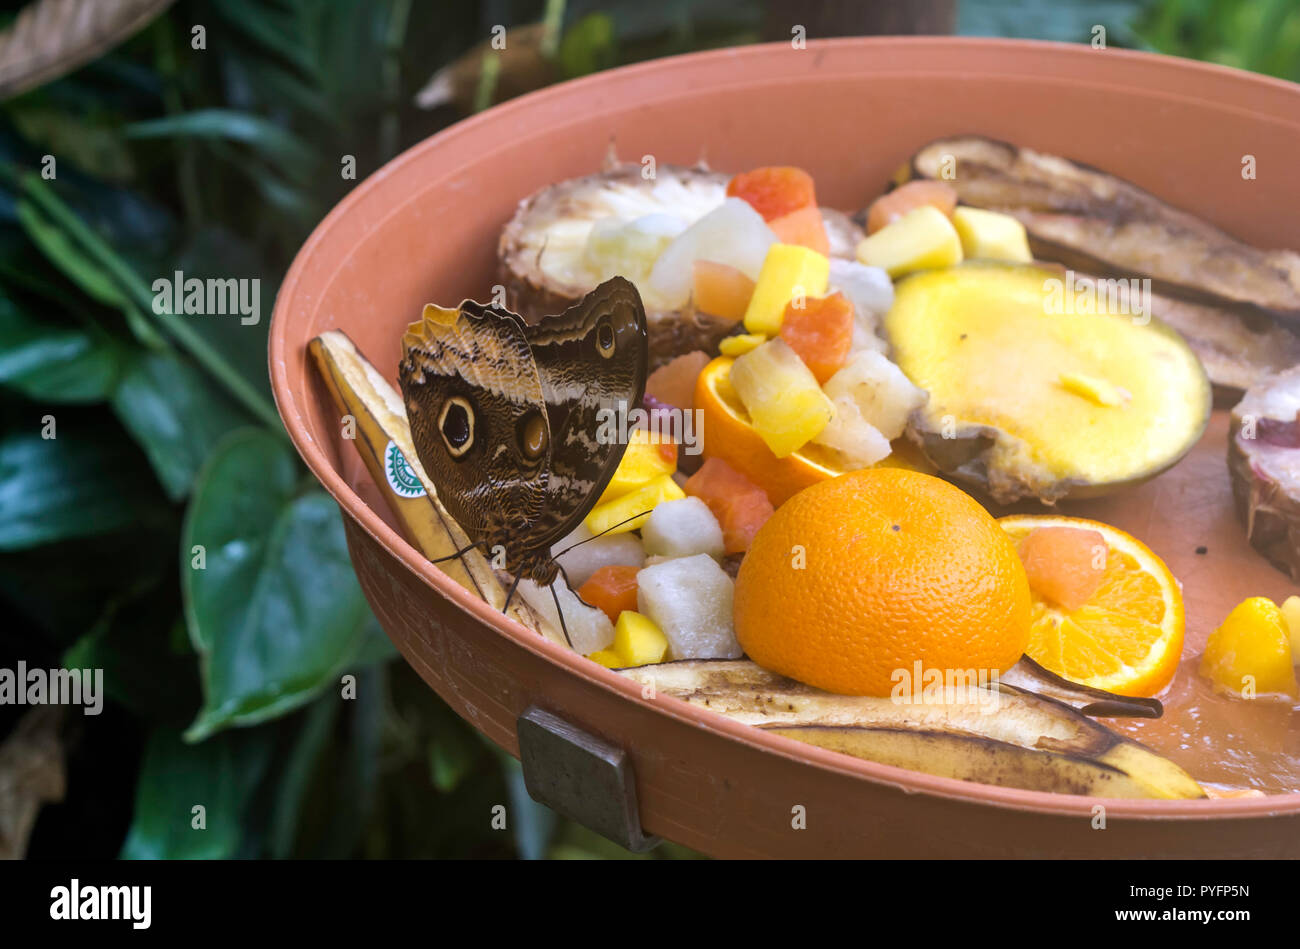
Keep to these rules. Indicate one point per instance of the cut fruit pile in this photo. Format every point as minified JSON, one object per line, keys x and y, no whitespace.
{"x":1107,"y":612}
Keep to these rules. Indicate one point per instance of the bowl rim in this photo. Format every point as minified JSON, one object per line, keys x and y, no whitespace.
{"x":291,"y":407}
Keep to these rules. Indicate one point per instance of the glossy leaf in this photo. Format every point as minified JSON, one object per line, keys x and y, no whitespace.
{"x":55,"y":364}
{"x":219,"y":776}
{"x":276,"y":611}
{"x":175,"y":413}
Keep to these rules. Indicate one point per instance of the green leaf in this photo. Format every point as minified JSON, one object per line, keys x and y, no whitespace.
{"x":276,"y":612}
{"x":176,"y":414}
{"x":77,"y":484}
{"x":294,"y":156}
{"x":297,"y":771}
{"x":55,"y":364}
{"x":220,"y":775}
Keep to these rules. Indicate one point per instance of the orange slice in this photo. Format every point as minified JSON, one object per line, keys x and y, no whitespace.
{"x":728,"y":434}
{"x":1127,"y":637}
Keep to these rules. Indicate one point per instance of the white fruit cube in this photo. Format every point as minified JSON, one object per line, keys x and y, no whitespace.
{"x":856,"y":439}
{"x":589,"y":629}
{"x":733,"y":234}
{"x":690,"y":599}
{"x":611,"y":550}
{"x":681,"y":528}
{"x":884,"y":395}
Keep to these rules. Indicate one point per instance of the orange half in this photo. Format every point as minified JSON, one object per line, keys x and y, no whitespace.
{"x":1128,"y":637}
{"x":728,"y":434}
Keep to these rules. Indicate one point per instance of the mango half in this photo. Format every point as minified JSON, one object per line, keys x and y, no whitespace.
{"x":1043,"y":384}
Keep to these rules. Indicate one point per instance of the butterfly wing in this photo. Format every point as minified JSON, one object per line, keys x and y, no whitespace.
{"x":590,"y":358}
{"x":475,"y":403}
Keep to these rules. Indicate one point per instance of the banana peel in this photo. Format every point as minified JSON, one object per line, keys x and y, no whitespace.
{"x":359,"y":390}
{"x":995,"y":734}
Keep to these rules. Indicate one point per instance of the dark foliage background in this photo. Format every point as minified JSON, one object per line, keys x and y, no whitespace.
{"x":225,"y":684}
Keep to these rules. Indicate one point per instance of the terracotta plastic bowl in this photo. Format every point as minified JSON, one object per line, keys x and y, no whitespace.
{"x":424,"y":228}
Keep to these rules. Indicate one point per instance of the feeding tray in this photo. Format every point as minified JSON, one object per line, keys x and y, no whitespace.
{"x":425,"y":227}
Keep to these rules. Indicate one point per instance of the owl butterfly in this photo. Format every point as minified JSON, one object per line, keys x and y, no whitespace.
{"x":504,"y":415}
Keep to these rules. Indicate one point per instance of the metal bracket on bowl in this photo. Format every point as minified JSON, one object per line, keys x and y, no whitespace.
{"x":582,"y":777}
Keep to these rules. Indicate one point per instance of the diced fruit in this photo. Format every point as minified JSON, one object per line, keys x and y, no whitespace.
{"x":1251,"y":651}
{"x":1065,"y":565}
{"x":803,"y":227}
{"x":645,"y":458}
{"x":1095,"y":389}
{"x":869,"y":289}
{"x":674,"y":382}
{"x":1291,"y":616}
{"x":858,"y":441}
{"x":621,"y":514}
{"x":785,"y":403}
{"x":890,"y":207}
{"x":682,"y":528}
{"x":592,"y":553}
{"x":589,"y":629}
{"x":820,"y":332}
{"x":740,"y":506}
{"x":883,"y":394}
{"x":774,"y":191}
{"x":733,"y":234}
{"x":637,"y":640}
{"x":629,"y":248}
{"x":740,"y":344}
{"x":607,"y":658}
{"x":721,"y":290}
{"x":611,"y":590}
{"x":690,"y":599}
{"x":989,"y":235}
{"x":922,"y":239}
{"x":788,"y":271}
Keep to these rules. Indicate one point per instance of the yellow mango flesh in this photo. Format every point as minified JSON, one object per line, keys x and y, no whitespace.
{"x":991,"y":345}
{"x":787,"y":269}
{"x":1251,"y":652}
{"x":642,"y":462}
{"x":989,"y":235}
{"x":741,"y":344}
{"x":621,"y":514}
{"x":786,"y":406}
{"x":637,"y":640}
{"x":922,"y":239}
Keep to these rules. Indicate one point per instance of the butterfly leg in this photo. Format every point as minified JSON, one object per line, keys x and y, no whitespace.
{"x":569,"y":583}
{"x":511,"y":594}
{"x":460,"y":553}
{"x":560,"y":611}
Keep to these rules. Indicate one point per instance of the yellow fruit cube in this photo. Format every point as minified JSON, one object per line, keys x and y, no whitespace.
{"x":922,"y":239}
{"x":637,"y":640}
{"x":1251,"y":652}
{"x":607,"y":658}
{"x":1291,"y":617}
{"x":786,"y":405}
{"x":621,"y":514}
{"x":1096,"y":390}
{"x":739,"y":345}
{"x":788,"y":270}
{"x":991,"y":236}
{"x":646,"y":458}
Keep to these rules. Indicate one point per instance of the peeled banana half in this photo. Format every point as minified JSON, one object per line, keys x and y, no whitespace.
{"x":998,"y":734}
{"x":1004,"y":735}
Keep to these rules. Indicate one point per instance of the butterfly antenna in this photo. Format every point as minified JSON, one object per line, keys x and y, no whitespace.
{"x":460,"y":553}
{"x":560,"y":611}
{"x":601,"y":534}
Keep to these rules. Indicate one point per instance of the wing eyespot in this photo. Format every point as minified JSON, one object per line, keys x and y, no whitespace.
{"x":456,"y":425}
{"x":605,"y":344}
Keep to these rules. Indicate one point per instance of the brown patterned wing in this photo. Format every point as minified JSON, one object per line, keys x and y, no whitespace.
{"x":591,"y":358}
{"x":478,"y":420}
